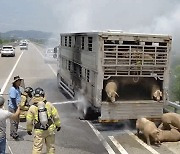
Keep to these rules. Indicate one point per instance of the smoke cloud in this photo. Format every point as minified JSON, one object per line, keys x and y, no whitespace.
{"x":82,"y":102}
{"x":162,"y":16}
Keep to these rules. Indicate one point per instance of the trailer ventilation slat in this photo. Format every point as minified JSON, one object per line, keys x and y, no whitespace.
{"x":135,"y":58}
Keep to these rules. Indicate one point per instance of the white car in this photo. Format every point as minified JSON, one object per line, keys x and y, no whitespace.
{"x":8,"y":50}
{"x":50,"y":56}
{"x":23,"y":46}
{"x":50,"y":53}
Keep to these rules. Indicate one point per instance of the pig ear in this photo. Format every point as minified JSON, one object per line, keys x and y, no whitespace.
{"x":158,"y":131}
{"x":116,"y":94}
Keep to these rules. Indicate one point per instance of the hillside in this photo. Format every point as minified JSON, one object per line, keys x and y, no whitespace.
{"x":31,"y":34}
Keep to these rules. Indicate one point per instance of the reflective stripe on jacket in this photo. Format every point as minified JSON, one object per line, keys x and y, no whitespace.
{"x":32,"y":117}
{"x":23,"y":103}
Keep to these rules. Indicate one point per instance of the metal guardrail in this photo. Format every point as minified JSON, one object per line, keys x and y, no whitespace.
{"x":175,"y":105}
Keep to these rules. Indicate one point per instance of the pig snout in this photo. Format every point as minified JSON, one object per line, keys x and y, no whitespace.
{"x":112,"y":96}
{"x":111,"y":89}
{"x":155,"y":136}
{"x":157,"y":95}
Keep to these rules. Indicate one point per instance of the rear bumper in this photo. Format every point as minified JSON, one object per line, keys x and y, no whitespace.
{"x":122,"y":110}
{"x":23,"y":48}
{"x":7,"y":54}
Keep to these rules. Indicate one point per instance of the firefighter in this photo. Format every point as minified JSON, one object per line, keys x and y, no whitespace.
{"x":43,"y":119}
{"x":24,"y":104}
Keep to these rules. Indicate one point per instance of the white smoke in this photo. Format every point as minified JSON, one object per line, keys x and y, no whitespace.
{"x":82,"y":102}
{"x":80,"y":15}
{"x":165,"y":24}
{"x":52,"y":42}
{"x":142,"y":16}
{"x":72,"y":16}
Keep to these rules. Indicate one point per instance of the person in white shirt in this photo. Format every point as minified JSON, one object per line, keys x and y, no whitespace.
{"x":5,"y":114}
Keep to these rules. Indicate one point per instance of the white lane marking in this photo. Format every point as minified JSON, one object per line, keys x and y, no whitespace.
{"x":101,"y":138}
{"x":43,"y":58}
{"x":149,"y":148}
{"x":118,"y":145}
{"x":9,"y":147}
{"x":38,"y":50}
{"x":7,"y":80}
{"x":52,"y":69}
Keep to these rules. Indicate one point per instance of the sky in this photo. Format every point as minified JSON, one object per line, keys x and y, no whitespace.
{"x":146,"y":16}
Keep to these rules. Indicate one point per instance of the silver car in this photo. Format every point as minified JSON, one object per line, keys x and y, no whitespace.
{"x":23,"y":46}
{"x":50,"y":56}
{"x":8,"y":50}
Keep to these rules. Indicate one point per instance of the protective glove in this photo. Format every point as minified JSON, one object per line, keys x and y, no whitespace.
{"x":29,"y":132}
{"x":58,"y":129}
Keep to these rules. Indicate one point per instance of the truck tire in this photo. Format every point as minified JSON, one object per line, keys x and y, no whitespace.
{"x":87,"y":111}
{"x":92,"y":113}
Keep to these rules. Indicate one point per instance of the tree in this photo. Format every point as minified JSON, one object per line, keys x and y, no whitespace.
{"x":176,"y":84}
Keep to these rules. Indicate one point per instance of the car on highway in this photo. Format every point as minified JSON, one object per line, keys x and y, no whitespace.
{"x":23,"y":46}
{"x":8,"y":50}
{"x":50,"y":55}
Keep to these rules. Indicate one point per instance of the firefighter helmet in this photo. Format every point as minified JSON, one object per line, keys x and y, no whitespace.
{"x":1,"y":101}
{"x":39,"y":92}
{"x":29,"y":91}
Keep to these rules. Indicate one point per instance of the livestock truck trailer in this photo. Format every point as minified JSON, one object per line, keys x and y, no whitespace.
{"x":122,"y":75}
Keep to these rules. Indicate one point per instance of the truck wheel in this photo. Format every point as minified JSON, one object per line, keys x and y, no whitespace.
{"x":92,"y":113}
{"x":132,"y":123}
{"x":87,"y":111}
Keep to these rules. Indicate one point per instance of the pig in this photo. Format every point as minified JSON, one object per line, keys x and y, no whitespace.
{"x":172,"y":135}
{"x":111,"y":88}
{"x":148,"y":128}
{"x":170,"y":120}
{"x":156,"y":94}
{"x":148,"y":57}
